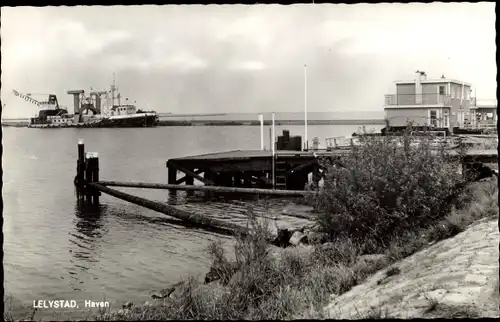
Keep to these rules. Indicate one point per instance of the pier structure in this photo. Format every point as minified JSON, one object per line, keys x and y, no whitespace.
{"x":285,"y":168}
{"x":249,"y":169}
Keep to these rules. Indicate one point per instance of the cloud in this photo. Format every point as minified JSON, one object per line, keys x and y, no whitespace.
{"x":249,"y":65}
{"x":205,"y":58}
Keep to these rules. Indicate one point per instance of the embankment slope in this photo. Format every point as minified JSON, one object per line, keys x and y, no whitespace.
{"x":456,"y":277}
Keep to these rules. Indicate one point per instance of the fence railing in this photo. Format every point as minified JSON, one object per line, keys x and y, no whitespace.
{"x":481,"y":125}
{"x":438,"y":139}
{"x":417,"y":99}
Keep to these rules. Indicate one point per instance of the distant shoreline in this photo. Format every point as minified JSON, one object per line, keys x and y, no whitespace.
{"x":266,"y":122}
{"x":14,"y":123}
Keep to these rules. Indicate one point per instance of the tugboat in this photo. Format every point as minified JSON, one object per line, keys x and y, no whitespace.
{"x":89,"y":111}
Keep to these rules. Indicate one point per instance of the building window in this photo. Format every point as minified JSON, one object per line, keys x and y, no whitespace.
{"x":442,"y":90}
{"x":433,"y":117}
{"x":446,"y":119}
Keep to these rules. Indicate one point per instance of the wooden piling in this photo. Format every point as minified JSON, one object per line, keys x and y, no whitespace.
{"x":95,"y":178}
{"x":80,"y":170}
{"x":91,"y":176}
{"x":172,"y":178}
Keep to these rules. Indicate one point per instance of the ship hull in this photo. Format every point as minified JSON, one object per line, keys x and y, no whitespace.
{"x":146,"y":120}
{"x":135,"y":121}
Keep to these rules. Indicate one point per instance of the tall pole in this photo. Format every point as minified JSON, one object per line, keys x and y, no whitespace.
{"x":261,"y":119}
{"x":462,"y":112}
{"x":273,"y":152}
{"x":306,"y":145}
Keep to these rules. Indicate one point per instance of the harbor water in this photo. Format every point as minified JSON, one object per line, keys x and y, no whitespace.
{"x":55,"y":249}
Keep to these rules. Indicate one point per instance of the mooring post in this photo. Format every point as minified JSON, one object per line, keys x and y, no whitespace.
{"x":95,"y":178}
{"x":80,"y":170}
{"x":91,"y":174}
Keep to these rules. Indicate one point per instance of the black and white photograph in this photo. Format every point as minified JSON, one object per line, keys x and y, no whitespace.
{"x":249,"y":161}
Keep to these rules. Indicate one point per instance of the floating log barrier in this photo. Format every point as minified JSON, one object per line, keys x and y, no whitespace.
{"x":269,"y":192}
{"x":168,"y":210}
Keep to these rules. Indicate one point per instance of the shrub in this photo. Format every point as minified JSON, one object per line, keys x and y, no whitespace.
{"x":384,"y":187}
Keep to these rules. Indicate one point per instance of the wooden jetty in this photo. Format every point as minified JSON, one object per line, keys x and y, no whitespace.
{"x":250,"y":168}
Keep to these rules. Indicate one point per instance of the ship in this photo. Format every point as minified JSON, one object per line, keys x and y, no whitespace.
{"x":98,"y":109}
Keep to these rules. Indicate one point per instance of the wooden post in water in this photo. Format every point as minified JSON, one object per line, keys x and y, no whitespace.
{"x":80,"y":170}
{"x":91,"y":175}
{"x":95,"y":178}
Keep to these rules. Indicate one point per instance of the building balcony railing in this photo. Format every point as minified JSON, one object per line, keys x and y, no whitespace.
{"x":417,"y":99}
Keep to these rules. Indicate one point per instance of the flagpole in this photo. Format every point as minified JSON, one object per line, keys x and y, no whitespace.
{"x":462,"y":112}
{"x":261,"y":119}
{"x":306,"y":143}
{"x":273,"y":152}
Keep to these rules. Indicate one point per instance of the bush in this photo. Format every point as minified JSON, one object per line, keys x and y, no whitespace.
{"x":384,"y":187}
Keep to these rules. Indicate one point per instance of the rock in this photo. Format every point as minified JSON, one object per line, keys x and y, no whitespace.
{"x":297,"y":238}
{"x":166,"y":292}
{"x":155,"y":295}
{"x":283,"y":238}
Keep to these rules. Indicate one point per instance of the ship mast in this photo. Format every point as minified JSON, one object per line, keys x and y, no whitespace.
{"x":113,"y":89}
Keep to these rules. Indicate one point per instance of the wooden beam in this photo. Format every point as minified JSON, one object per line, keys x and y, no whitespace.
{"x":192,"y":174}
{"x":181,"y":180}
{"x":253,"y":165}
{"x":291,"y":193}
{"x":168,"y":210}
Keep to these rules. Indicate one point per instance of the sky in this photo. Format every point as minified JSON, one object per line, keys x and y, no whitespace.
{"x":241,"y":58}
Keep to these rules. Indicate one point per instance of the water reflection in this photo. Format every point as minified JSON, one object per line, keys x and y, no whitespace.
{"x":84,"y":240}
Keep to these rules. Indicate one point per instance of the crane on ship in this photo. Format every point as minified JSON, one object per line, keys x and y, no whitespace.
{"x":27,"y":98}
{"x":50,"y":104}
